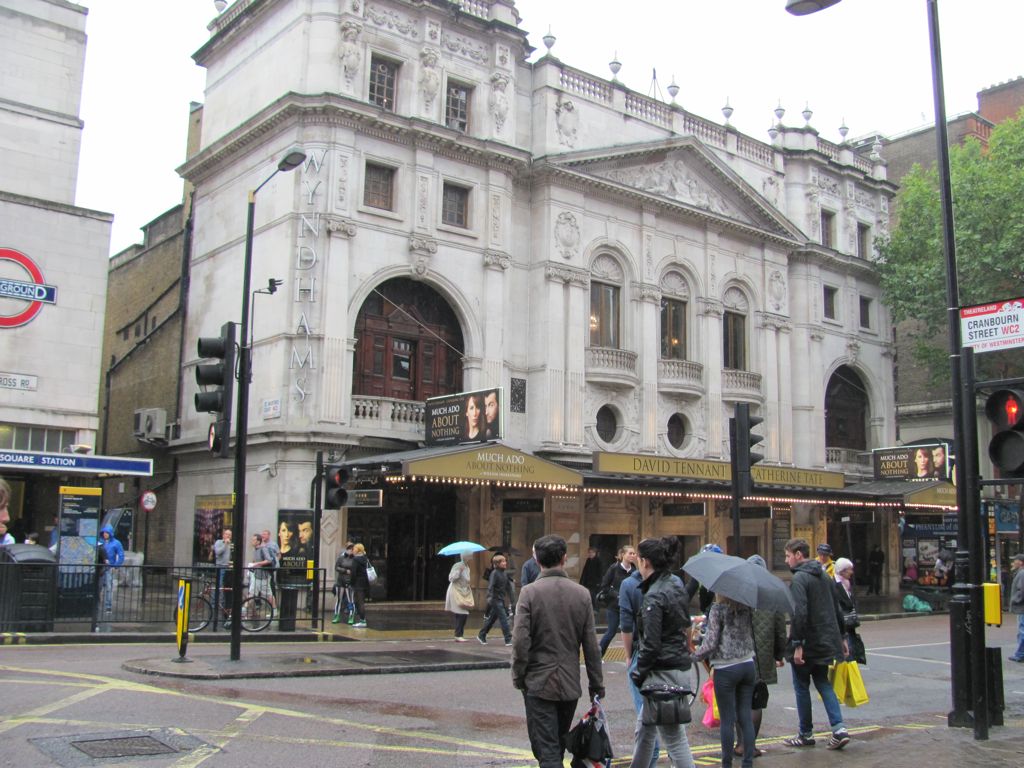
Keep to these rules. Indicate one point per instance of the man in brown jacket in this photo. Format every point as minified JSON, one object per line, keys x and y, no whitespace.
{"x":554,"y":618}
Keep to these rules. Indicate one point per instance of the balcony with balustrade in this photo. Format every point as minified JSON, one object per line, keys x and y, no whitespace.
{"x":388,"y":417}
{"x":684,"y":377}
{"x":741,"y":385}
{"x":612,"y":367}
{"x":855,"y":463}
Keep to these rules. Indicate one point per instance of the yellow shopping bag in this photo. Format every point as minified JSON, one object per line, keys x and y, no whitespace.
{"x":839,"y":676}
{"x":856,"y":693}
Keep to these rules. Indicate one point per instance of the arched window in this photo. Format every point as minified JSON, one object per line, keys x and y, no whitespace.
{"x":734,"y":330}
{"x":846,"y":410}
{"x":675,"y":295}
{"x":408,"y":343}
{"x":606,"y":303}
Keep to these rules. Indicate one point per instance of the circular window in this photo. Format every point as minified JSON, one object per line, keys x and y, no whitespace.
{"x":607,"y":423}
{"x":676,"y":430}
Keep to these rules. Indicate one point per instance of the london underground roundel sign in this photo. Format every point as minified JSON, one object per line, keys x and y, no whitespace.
{"x":26,"y":296}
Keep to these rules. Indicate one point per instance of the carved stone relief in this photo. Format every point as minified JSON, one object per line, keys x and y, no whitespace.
{"x":828,"y":184}
{"x":430,"y":78}
{"x":671,"y":178}
{"x":566,"y":122}
{"x":421,"y":249}
{"x":341,"y":227}
{"x":422,"y":200}
{"x":503,"y":56}
{"x":496,"y":218}
{"x":566,"y":275}
{"x":464,"y":47}
{"x":607,"y":268}
{"x":342,"y":180}
{"x":674,"y":284}
{"x":777,"y":290}
{"x":351,"y":53}
{"x":770,"y":190}
{"x":497,"y":260}
{"x":388,"y":19}
{"x":498,"y":100}
{"x":813,"y":214}
{"x":864,"y":200}
{"x":567,"y":234}
{"x":433,"y":31}
{"x":735,"y":300}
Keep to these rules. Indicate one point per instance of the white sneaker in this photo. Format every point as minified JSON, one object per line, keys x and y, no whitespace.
{"x":359,"y":625}
{"x":461,"y":640}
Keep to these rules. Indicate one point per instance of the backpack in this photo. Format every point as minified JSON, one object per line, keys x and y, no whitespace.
{"x":343,"y":570}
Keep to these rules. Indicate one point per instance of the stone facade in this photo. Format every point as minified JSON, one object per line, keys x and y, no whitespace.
{"x":563,"y":181}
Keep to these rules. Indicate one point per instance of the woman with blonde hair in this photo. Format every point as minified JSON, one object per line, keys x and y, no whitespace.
{"x":360,"y":584}
{"x":458,"y":584}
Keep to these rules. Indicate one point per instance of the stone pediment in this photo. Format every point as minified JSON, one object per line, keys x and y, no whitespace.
{"x":684,"y":173}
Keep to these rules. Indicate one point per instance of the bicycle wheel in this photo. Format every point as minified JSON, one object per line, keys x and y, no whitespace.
{"x":257,"y":613}
{"x":199,"y":613}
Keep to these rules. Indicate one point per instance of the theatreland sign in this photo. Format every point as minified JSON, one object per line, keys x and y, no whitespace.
{"x":717,"y":471}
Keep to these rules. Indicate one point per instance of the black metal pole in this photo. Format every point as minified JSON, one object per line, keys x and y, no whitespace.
{"x":317,"y":518}
{"x":735,"y":501}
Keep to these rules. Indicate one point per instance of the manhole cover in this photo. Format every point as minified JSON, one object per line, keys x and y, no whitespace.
{"x":130,"y":746}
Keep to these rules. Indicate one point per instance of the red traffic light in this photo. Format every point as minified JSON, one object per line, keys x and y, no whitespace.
{"x":1005,"y":410}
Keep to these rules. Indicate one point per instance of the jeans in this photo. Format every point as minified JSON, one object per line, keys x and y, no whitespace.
{"x":1019,"y":654}
{"x":802,"y":676}
{"x":108,"y":588}
{"x":638,"y":702}
{"x":496,"y":613}
{"x":547,"y":723}
{"x":673,"y":739}
{"x":734,"y":687}
{"x":612,"y":619}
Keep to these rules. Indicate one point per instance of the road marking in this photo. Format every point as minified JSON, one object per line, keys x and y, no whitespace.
{"x":904,"y":647}
{"x":910,"y":658}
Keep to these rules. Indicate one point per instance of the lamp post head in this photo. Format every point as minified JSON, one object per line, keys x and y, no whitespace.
{"x":292,"y":159}
{"x":804,"y":7}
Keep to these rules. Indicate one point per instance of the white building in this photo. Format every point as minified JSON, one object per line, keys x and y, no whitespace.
{"x":624,"y":270}
{"x":53,"y":254}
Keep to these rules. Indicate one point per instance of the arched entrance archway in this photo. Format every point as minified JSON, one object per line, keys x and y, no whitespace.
{"x":846,"y":411}
{"x":409,"y":345}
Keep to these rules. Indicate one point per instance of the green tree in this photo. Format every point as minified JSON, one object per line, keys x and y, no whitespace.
{"x":988,"y":225}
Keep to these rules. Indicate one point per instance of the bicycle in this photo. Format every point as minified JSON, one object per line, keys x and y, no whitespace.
{"x":257,"y":612}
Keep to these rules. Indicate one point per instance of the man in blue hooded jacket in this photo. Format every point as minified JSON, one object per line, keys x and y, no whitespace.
{"x":111,"y":556}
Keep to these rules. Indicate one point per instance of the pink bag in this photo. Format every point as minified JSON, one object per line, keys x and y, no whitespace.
{"x":707,"y":692}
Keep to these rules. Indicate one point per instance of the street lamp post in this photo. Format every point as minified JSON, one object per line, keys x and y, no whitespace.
{"x":967,"y":656}
{"x":292,"y":159}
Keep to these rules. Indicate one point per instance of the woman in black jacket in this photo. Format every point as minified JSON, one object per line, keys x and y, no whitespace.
{"x":613,"y":578}
{"x":662,"y":629}
{"x":848,"y":606}
{"x":360,"y":584}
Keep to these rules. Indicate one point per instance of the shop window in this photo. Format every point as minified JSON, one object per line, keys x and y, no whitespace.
{"x":607,"y":424}
{"x":604,"y":315}
{"x":378,"y":186}
{"x":383,"y":79}
{"x":673,"y":329}
{"x":734,"y":341}
{"x":455,"y":205}
{"x":456,"y":108}
{"x":829,"y":302}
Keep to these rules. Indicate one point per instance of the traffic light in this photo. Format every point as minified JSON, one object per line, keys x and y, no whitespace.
{"x":1005,"y":410}
{"x":221,"y":377}
{"x":337,"y":494}
{"x":745,"y":458}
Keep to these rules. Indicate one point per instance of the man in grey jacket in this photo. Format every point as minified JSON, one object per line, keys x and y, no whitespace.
{"x":816,"y":641}
{"x":554,"y":618}
{"x":1017,"y":604}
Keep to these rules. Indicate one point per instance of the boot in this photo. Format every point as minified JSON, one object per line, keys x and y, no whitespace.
{"x":336,"y":619}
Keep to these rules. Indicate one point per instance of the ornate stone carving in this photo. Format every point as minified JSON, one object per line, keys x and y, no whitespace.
{"x":496,"y":217}
{"x":464,"y":47}
{"x":567,"y":275}
{"x":709,"y":307}
{"x":497,"y":260}
{"x":341,"y":227}
{"x":430,"y":78}
{"x":675,"y":285}
{"x":777,"y":290}
{"x":850,"y":225}
{"x":607,"y":268}
{"x":816,"y":335}
{"x":567,"y":234}
{"x":433,"y":31}
{"x":351,"y":53}
{"x":498,"y":100}
{"x":772,"y":322}
{"x":735,"y":300}
{"x":388,"y":19}
{"x":770,"y":190}
{"x":647,"y":292}
{"x":503,"y":56}
{"x":425,"y":246}
{"x":567,"y":122}
{"x":852,"y":351}
{"x":864,"y":200}
{"x":342,"y":180}
{"x":813,"y":213}
{"x":671,"y":178}
{"x":828,"y":184}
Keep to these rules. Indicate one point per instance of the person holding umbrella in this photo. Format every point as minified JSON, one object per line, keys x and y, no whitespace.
{"x":459,"y":598}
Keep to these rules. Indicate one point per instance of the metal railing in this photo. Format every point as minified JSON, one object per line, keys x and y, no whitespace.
{"x":49,"y":597}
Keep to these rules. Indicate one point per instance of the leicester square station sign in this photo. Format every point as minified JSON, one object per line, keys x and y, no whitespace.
{"x":26,"y":296}
{"x":993,"y":326}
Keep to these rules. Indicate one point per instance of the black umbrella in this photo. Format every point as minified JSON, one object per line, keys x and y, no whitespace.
{"x":739,"y":580}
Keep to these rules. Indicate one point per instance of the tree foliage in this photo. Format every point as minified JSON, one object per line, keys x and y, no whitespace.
{"x":988,"y":224}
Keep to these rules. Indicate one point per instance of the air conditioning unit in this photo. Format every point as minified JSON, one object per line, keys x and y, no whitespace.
{"x":150,"y":424}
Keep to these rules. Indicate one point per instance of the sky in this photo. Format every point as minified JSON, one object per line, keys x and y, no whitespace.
{"x":862,"y":62}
